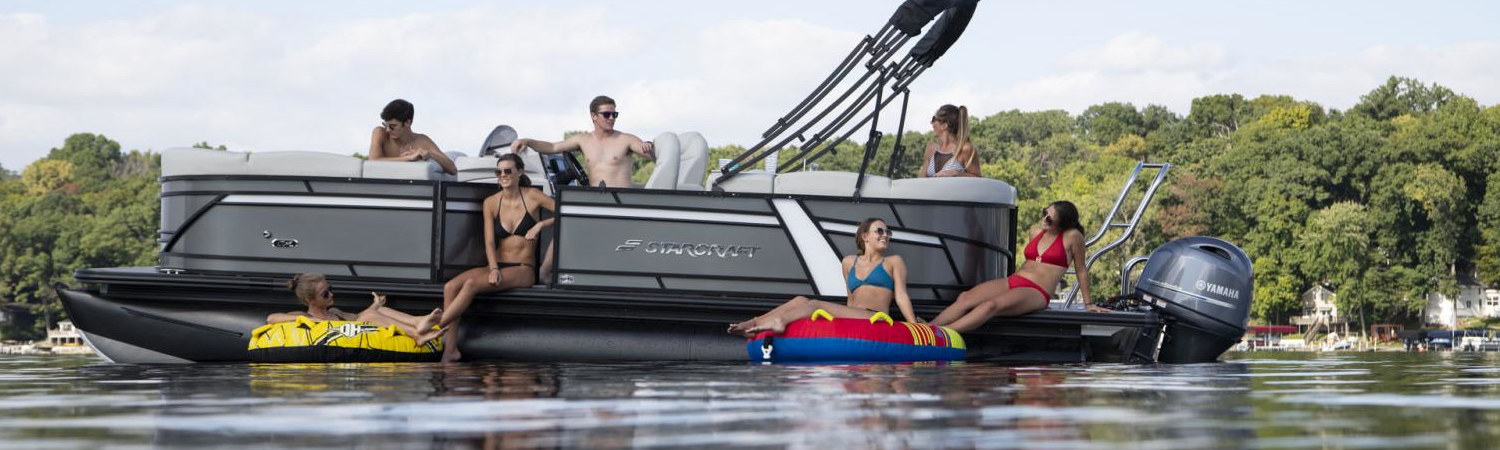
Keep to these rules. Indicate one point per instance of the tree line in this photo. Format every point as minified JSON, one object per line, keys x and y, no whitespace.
{"x":1384,"y":202}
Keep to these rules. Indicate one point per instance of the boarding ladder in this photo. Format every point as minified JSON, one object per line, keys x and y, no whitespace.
{"x":1129,"y":225}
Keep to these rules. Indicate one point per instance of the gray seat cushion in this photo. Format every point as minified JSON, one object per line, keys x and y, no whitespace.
{"x":819,"y":182}
{"x":962,"y":189}
{"x":197,"y":161}
{"x":307,"y":164}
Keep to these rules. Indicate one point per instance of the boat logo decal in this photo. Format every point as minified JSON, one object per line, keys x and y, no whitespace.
{"x":693,"y":249}
{"x":1212,"y":288}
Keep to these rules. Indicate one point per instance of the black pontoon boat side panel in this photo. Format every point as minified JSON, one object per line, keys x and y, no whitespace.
{"x":213,"y":332}
{"x":276,"y":225}
{"x":563,"y":339}
{"x":762,"y":244}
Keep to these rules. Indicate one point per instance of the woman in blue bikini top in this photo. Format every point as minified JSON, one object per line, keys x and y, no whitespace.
{"x":873,"y":278}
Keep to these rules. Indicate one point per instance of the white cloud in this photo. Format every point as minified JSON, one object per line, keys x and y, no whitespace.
{"x":1136,"y":52}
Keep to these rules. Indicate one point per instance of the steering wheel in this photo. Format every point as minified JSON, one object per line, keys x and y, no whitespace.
{"x":565,"y":169}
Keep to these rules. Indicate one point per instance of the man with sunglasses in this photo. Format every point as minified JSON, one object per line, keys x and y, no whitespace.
{"x":394,"y":140}
{"x":606,"y":151}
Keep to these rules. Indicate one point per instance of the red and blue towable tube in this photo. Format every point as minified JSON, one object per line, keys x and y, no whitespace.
{"x":822,"y":338}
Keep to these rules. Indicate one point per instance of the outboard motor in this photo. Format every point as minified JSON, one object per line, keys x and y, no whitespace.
{"x":1204,"y":286}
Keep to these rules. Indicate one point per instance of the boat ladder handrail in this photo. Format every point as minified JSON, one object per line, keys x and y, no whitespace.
{"x":1129,"y":225}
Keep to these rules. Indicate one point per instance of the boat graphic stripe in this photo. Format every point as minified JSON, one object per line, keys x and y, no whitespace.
{"x":307,"y":200}
{"x":822,"y":261}
{"x":646,"y":213}
{"x":903,"y":236}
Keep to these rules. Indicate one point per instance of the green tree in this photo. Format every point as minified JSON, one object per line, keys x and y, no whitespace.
{"x":1401,"y":96}
{"x":1107,"y":123}
{"x":91,"y":155}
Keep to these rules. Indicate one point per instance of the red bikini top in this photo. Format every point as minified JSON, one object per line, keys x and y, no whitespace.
{"x":1055,"y":255}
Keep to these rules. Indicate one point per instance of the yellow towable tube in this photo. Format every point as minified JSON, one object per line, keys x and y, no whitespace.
{"x":309,"y":340}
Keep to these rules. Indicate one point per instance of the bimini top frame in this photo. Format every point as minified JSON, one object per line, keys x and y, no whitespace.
{"x":865,"y":98}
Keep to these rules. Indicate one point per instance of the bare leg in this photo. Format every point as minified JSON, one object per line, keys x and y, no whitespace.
{"x":777,"y":323}
{"x":795,"y":302}
{"x":970,"y":299}
{"x":475,"y":282}
{"x":1011,"y":303}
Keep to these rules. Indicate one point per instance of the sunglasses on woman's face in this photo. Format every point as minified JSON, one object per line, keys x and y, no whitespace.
{"x":505,"y":171}
{"x":608,"y":114}
{"x":883,"y":232}
{"x":327,"y":293}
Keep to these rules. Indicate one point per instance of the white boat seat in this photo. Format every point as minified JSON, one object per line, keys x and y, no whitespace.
{"x":747,"y":182}
{"x":306,"y":164}
{"x":197,"y":161}
{"x":692,"y":166}
{"x":668,"y":154}
{"x":820,"y":182}
{"x":958,"y":189}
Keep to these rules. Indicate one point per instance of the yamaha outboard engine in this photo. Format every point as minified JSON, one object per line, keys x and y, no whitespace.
{"x":1204,"y":286}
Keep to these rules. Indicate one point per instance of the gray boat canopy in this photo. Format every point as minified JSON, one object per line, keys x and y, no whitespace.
{"x":866,"y":96}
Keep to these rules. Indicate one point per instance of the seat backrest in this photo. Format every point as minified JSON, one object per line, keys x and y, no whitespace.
{"x":693,"y":164}
{"x":668,"y":154}
{"x":301,"y":163}
{"x":956,"y":189}
{"x":197,"y":161}
{"x":832,"y":183}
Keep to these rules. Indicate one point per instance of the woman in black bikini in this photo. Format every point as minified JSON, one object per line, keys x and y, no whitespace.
{"x":510,"y":231}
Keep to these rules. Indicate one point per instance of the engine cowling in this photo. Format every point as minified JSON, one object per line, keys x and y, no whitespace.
{"x":1205,"y":286}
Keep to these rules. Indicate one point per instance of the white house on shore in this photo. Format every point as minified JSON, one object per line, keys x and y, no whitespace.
{"x":1474,"y":301}
{"x":1320,"y":314}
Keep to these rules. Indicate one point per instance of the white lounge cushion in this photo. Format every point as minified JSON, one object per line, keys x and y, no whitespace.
{"x":197,"y":161}
{"x":400,"y":170}
{"x":693,"y":164}
{"x":748,"y":182}
{"x":819,"y":182}
{"x":668,"y":153}
{"x":962,"y":189}
{"x":307,"y":164}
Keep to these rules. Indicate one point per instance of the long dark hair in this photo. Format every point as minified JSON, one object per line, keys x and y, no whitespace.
{"x":1067,"y":215}
{"x":520,"y":168}
{"x":864,"y":228}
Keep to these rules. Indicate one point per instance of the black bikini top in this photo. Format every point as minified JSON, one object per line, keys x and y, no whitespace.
{"x":527,"y":222}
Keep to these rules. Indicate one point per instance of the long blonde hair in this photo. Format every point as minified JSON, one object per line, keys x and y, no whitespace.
{"x":957,"y":120}
{"x":306,"y":285}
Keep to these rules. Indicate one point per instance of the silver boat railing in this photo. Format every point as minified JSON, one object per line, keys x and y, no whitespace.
{"x":1129,"y":225}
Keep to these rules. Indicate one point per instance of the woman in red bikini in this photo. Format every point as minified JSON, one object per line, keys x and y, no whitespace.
{"x":1055,"y":242}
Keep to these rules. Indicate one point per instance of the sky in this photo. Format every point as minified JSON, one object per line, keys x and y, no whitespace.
{"x":295,"y":75}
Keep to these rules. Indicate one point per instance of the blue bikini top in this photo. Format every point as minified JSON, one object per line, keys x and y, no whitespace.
{"x":877,"y":277}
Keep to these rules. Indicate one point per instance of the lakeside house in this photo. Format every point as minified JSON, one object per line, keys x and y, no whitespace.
{"x":1320,"y":314}
{"x":1475,"y":300}
{"x":64,"y":335}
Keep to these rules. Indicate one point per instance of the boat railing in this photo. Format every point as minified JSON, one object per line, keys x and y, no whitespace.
{"x":1127,"y":225}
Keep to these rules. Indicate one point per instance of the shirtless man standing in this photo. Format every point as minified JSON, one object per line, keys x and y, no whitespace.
{"x":606,"y":151}
{"x":394,"y":140}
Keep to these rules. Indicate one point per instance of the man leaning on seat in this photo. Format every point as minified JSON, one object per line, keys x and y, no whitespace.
{"x":606,"y":151}
{"x":394,"y":140}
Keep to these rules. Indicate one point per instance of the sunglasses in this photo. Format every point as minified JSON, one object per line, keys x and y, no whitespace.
{"x":608,"y":114}
{"x":883,"y":232}
{"x":507,"y":171}
{"x":390,"y":126}
{"x":327,"y":293}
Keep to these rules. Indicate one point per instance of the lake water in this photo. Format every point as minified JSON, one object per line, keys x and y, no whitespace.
{"x":1254,"y":400}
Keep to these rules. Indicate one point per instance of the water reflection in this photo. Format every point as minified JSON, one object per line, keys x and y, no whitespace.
{"x":1370,"y":400}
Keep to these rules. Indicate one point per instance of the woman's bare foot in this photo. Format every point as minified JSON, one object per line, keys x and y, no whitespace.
{"x":739,"y":328}
{"x":430,"y":320}
{"x":427,"y":336}
{"x":452,"y":355}
{"x":774,"y":325}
